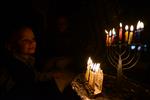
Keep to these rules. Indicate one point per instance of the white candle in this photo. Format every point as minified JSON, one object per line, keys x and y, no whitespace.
{"x":96,"y":73}
{"x":89,"y":64}
{"x":91,"y":78}
{"x":94,"y":70}
{"x":98,"y":80}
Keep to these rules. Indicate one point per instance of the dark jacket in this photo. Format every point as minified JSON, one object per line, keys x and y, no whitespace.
{"x":16,"y":77}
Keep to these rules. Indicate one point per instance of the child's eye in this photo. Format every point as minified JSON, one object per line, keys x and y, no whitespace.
{"x":28,"y":40}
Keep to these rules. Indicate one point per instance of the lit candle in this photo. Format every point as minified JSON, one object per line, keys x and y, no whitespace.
{"x":126,"y":33}
{"x":107,"y":37}
{"x":142,"y":25}
{"x":98,"y":80}
{"x":91,"y":78}
{"x":131,"y":34}
{"x":89,"y":64}
{"x":110,"y":38}
{"x":94,"y":74}
{"x":137,"y":34}
{"x":120,"y":32}
{"x":138,"y":25}
{"x":113,"y":34}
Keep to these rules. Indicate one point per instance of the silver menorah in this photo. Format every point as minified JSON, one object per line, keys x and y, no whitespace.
{"x":123,"y":56}
{"x":124,"y":53}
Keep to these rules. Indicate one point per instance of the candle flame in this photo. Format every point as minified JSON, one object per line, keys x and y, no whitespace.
{"x":94,"y":67}
{"x":110,"y":33}
{"x":141,"y":25}
{"x":113,"y":31}
{"x":97,"y":67}
{"x":126,"y":27}
{"x":89,"y":61}
{"x":138,"y":25}
{"x":131,"y":28}
{"x":98,"y":64}
{"x":120,"y":24}
{"x":106,"y":31}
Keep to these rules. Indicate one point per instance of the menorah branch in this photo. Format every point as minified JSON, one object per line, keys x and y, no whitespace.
{"x":123,"y":53}
{"x":138,"y":57}
{"x":130,"y":61}
{"x":126,"y":57}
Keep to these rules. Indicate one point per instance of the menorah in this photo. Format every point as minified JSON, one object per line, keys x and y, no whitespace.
{"x":122,"y":53}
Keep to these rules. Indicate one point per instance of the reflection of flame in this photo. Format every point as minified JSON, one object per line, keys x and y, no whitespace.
{"x":131,"y":28}
{"x":126,"y":27}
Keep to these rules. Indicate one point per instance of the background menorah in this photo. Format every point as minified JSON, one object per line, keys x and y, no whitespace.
{"x":124,"y":50}
{"x":123,"y":57}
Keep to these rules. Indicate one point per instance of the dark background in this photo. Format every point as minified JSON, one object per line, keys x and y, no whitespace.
{"x":88,"y":18}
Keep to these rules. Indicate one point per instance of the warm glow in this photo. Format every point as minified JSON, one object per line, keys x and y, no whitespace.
{"x":126,"y":27}
{"x":110,"y":33}
{"x":141,"y":25}
{"x":131,"y":28}
{"x":92,"y":66}
{"x":138,"y":25}
{"x":94,"y":76}
{"x":120,"y":24}
{"x":113,"y":31}
{"x":106,"y":31}
{"x":89,"y":61}
{"x":97,"y":67}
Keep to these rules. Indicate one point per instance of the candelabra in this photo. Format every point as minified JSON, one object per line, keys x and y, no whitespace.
{"x":122,"y":56}
{"x":124,"y":53}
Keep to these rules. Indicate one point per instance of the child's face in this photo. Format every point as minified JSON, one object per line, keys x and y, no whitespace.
{"x":27,"y":43}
